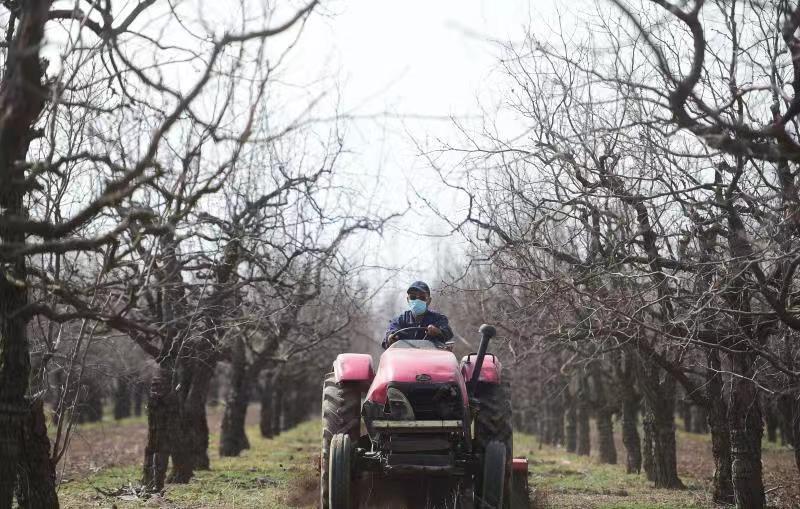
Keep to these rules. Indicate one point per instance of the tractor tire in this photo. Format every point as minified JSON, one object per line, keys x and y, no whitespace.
{"x":493,"y":424}
{"x":494,"y":476}
{"x":340,"y":473}
{"x":341,"y":414}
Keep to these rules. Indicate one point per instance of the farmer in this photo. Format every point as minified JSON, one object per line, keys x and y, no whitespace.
{"x":418,"y":315}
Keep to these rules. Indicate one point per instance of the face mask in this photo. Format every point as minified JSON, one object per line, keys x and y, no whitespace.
{"x":417,"y":306}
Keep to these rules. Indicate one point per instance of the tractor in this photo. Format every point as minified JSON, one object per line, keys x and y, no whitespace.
{"x":430,"y":430}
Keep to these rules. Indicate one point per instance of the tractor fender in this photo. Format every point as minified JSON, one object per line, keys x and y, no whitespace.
{"x":353,"y":367}
{"x":490,"y":371}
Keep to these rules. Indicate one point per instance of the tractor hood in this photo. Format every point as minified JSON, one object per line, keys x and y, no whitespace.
{"x":415,"y":365}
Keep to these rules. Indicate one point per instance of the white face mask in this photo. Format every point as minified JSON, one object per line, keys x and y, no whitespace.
{"x":417,"y":306}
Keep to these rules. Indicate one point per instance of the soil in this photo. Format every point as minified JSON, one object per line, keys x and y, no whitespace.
{"x":106,"y":444}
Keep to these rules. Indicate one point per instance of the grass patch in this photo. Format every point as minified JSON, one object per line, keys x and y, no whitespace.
{"x":282,"y":473}
{"x":565,"y":480}
{"x":271,"y":474}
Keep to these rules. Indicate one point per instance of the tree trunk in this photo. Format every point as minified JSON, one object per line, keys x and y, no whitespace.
{"x":664,"y":451}
{"x":293,"y":413}
{"x":558,"y":417}
{"x":661,"y":463}
{"x":744,"y":415}
{"x":607,"y":450}
{"x":36,"y":487}
{"x":202,"y":364}
{"x":214,"y":390}
{"x":265,"y":418}
{"x":163,"y":421}
{"x":22,"y":97}
{"x":233,"y":439}
{"x":720,"y":432}
{"x":647,"y":445}
{"x":90,"y":405}
{"x":771,"y":418}
{"x":584,"y":445}
{"x":277,"y":409}
{"x":686,"y":414}
{"x":571,"y":428}
{"x":122,"y":399}
{"x":786,"y":419}
{"x":699,"y":419}
{"x":630,"y":432}
{"x":139,"y":393}
{"x":796,"y":432}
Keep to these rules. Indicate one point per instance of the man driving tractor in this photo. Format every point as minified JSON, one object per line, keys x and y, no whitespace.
{"x":424,"y":321}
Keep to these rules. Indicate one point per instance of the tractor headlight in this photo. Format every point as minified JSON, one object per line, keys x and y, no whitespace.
{"x":399,"y":406}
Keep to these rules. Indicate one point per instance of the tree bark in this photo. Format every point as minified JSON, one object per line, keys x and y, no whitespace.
{"x":122,"y":399}
{"x":22,"y":98}
{"x":571,"y":428}
{"x":699,"y":420}
{"x":233,"y":439}
{"x":630,"y":436}
{"x":796,"y":432}
{"x":630,"y":411}
{"x":277,"y":409}
{"x":584,"y":444}
{"x":647,"y":445}
{"x":747,"y":428}
{"x":686,"y":415}
{"x":139,"y":393}
{"x":771,"y":418}
{"x":720,"y":432}
{"x":658,"y":390}
{"x":90,"y":404}
{"x":200,"y":366}
{"x":265,"y":417}
{"x":607,"y":450}
{"x":161,"y":424}
{"x":558,"y":417}
{"x":36,"y":486}
{"x":786,"y":419}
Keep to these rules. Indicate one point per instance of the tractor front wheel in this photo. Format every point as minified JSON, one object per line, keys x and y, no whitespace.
{"x":340,"y":472}
{"x":494,"y":475}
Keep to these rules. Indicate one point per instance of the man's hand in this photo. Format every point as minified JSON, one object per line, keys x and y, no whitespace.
{"x":391,"y":339}
{"x":434,"y":330}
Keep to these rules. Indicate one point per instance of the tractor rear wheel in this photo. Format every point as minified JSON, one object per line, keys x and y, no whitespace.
{"x":341,"y":414}
{"x":493,"y":423}
{"x":340,"y":472}
{"x":494,"y":475}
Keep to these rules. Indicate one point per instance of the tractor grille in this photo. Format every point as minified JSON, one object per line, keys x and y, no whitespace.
{"x":432,"y":401}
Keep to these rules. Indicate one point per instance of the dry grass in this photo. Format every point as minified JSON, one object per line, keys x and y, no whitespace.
{"x":281,"y":473}
{"x":562,"y":480}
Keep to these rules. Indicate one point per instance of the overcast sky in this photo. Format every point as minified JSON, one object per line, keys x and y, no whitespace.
{"x":413,"y":64}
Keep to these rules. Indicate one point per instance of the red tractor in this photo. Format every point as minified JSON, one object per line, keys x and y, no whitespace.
{"x":436,"y":430}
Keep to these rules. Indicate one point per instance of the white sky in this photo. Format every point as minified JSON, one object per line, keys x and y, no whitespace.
{"x":420,"y":62}
{"x":404,"y":68}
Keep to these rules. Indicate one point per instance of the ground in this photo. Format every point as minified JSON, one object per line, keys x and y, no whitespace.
{"x":280,"y":473}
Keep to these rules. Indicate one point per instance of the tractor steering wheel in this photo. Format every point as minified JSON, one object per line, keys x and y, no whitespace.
{"x":395,"y":333}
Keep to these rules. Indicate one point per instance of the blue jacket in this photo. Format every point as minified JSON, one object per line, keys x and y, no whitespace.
{"x":428,"y":318}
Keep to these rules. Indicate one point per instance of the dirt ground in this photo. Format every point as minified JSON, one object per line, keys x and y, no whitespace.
{"x":562,"y":480}
{"x":282,"y":473}
{"x":119,"y":443}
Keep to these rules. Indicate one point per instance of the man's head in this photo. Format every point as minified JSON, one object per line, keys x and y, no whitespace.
{"x":418,"y":296}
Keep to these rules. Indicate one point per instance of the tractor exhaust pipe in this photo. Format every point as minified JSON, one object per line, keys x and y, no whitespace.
{"x":487,"y":332}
